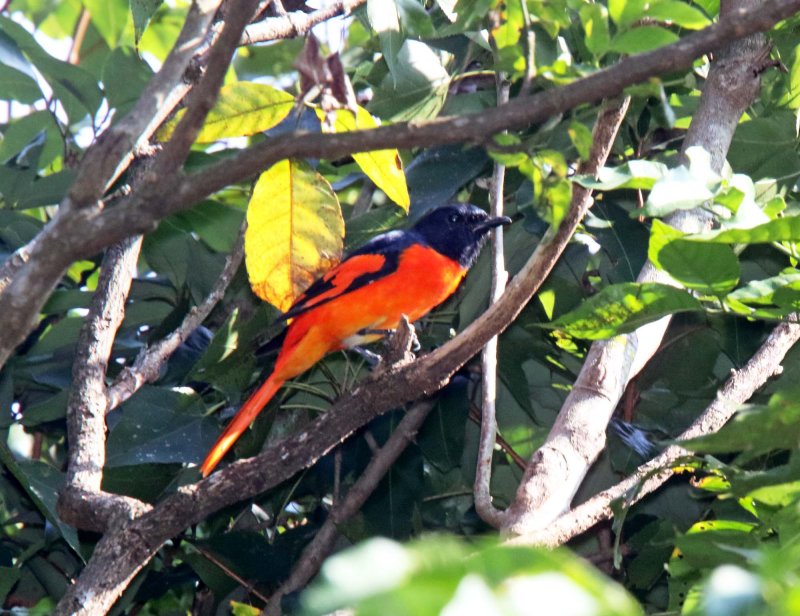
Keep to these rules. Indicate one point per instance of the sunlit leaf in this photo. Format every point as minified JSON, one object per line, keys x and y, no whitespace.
{"x":641,"y":174}
{"x":383,"y":167}
{"x":243,"y":108}
{"x":785,"y":229}
{"x":622,"y":308}
{"x":644,"y":38}
{"x":760,"y":292}
{"x":679,"y":190}
{"x":710,"y":268}
{"x":294,"y":234}
{"x":678,"y":13}
{"x":595,"y":24}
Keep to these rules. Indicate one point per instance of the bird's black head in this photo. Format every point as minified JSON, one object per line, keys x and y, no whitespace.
{"x":457,"y":230}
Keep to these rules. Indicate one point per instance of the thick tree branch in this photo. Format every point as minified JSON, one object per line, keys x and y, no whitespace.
{"x":324,"y":541}
{"x":578,"y":435}
{"x":81,"y":502}
{"x":737,"y":390}
{"x":75,"y":234}
{"x":150,"y":360}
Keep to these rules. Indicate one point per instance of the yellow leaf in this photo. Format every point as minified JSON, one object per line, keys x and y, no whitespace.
{"x":295,"y":232}
{"x":243,"y":108}
{"x":383,"y":167}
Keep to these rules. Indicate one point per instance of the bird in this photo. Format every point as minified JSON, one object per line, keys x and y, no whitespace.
{"x":400,"y":273}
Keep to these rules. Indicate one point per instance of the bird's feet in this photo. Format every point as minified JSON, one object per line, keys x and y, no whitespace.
{"x":401,"y":345}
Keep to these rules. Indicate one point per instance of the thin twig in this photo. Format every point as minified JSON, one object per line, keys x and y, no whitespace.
{"x":229,"y":572}
{"x":150,"y":360}
{"x":81,"y":27}
{"x":483,"y":471}
{"x":324,"y":541}
{"x":295,"y":23}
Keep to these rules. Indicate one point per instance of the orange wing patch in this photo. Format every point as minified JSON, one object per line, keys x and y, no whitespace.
{"x":338,"y":280}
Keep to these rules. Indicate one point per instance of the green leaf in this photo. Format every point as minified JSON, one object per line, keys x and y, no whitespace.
{"x":416,"y":89}
{"x":366,"y":226}
{"x":581,"y":137}
{"x":384,"y":19}
{"x":678,"y":13}
{"x":243,"y":108}
{"x":760,"y":292}
{"x":641,"y":39}
{"x":766,"y":146}
{"x":125,"y":76}
{"x":712,"y":269}
{"x":142,"y":11}
{"x":439,"y":575}
{"x":785,"y":229}
{"x":16,"y":73}
{"x":594,"y":18}
{"x":622,"y":308}
{"x":788,"y":297}
{"x":792,"y":97}
{"x":77,"y":90}
{"x":109,"y":17}
{"x":625,"y":12}
{"x":637,"y":174}
{"x":42,"y":483}
{"x":159,"y":426}
{"x":414,"y":19}
{"x":679,"y":190}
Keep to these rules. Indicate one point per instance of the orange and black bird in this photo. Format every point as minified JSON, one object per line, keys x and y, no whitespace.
{"x":394,"y":274}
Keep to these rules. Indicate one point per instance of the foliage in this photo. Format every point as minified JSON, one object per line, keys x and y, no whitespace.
{"x":685,"y":549}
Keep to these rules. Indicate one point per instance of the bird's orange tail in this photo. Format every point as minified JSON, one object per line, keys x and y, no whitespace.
{"x":241,"y":420}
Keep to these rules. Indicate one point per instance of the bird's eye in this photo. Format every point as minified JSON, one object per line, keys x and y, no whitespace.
{"x":454,"y":217}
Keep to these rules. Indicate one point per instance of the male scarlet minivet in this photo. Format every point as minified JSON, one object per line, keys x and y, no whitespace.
{"x":394,"y":274}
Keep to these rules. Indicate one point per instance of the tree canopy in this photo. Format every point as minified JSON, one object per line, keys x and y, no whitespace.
{"x":602,"y":420}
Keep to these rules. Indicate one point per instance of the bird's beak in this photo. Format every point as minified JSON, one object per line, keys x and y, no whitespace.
{"x":491,"y":223}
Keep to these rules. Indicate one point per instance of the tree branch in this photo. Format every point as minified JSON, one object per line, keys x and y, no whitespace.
{"x":737,"y":390}
{"x":82,"y":502}
{"x":75,"y":234}
{"x":488,"y":438}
